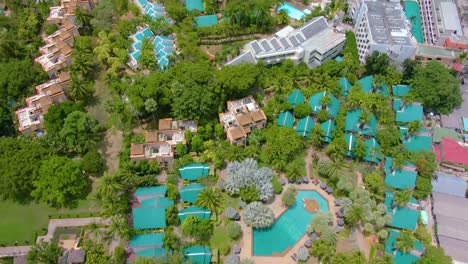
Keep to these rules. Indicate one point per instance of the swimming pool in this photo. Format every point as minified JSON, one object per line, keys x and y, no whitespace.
{"x":292,"y":11}
{"x":288,"y":228}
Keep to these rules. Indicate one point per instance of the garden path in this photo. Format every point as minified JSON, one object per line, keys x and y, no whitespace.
{"x":14,"y":251}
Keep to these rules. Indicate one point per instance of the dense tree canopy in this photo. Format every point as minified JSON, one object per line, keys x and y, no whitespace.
{"x":56,"y":115}
{"x":80,"y":131}
{"x":436,"y":88}
{"x":60,"y":183}
{"x":20,"y":160}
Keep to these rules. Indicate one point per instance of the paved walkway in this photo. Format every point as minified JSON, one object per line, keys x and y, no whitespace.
{"x":73,"y":222}
{"x":14,"y":251}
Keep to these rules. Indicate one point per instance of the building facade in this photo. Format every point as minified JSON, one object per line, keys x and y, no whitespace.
{"x":382,"y":27}
{"x":160,"y":144}
{"x":313,"y":43}
{"x":242,"y":117}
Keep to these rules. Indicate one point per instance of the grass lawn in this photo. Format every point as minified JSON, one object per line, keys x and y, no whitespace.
{"x":229,"y":201}
{"x":19,"y":222}
{"x":220,"y":238}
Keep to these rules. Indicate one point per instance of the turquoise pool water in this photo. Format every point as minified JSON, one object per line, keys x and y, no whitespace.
{"x":292,"y":11}
{"x":288,"y":228}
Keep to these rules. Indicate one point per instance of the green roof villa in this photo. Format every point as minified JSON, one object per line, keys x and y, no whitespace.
{"x":206,"y":21}
{"x":198,"y":255}
{"x":144,"y":193}
{"x":328,"y":128}
{"x":196,"y":211}
{"x":404,"y":178}
{"x":353,"y":123}
{"x":400,"y":90}
{"x":296,"y":97}
{"x":286,"y":119}
{"x":158,"y":202}
{"x":405,"y":217}
{"x":316,"y":103}
{"x":350,"y":139}
{"x":372,"y":151}
{"x":194,"y":171}
{"x":149,"y":218}
{"x":304,"y":126}
{"x":400,"y":257}
{"x":189,"y":193}
{"x":194,"y":5}
{"x":345,"y":86}
{"x":367,"y":84}
{"x":416,"y":142}
{"x":406,"y":113}
{"x":146,"y":241}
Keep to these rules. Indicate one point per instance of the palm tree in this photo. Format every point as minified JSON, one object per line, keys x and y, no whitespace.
{"x":119,"y":227}
{"x":354,"y":214}
{"x":210,"y":198}
{"x":328,"y":235}
{"x":93,"y":230}
{"x":364,"y":118}
{"x":144,"y":260}
{"x":83,"y":20}
{"x":44,"y":253}
{"x":283,"y":17}
{"x":316,"y":136}
{"x":413,"y":127}
{"x":80,"y":88}
{"x":330,"y":169}
{"x":402,"y":197}
{"x":405,"y":242}
{"x":109,"y":185}
{"x":322,"y":251}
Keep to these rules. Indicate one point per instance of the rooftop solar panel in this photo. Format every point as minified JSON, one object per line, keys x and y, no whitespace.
{"x":285,"y":43}
{"x":314,"y":27}
{"x":275,"y":44}
{"x":256,"y":47}
{"x":265,"y":45}
{"x":300,"y":38}
{"x":294,"y":41}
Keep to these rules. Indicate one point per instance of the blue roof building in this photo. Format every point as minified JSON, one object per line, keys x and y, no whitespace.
{"x":406,"y":113}
{"x":206,"y":21}
{"x":353,"y":123}
{"x":405,"y":217}
{"x":286,"y":119}
{"x":351,"y":140}
{"x":194,"y":5}
{"x":196,"y":211}
{"x":149,"y":218}
{"x":296,"y":97}
{"x":372,"y":151}
{"x":328,"y":128}
{"x":198,"y":254}
{"x":345,"y":86}
{"x":332,"y":108}
{"x":400,"y":90}
{"x":404,"y":178}
{"x":398,"y":256}
{"x":367,"y":84}
{"x":304,"y":126}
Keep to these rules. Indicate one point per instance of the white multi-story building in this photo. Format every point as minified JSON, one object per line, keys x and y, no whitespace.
{"x":313,"y":43}
{"x":382,"y":27}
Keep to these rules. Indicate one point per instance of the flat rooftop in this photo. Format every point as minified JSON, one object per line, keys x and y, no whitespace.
{"x":387,"y":23}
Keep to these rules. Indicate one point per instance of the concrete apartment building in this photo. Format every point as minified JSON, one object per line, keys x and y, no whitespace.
{"x":313,"y":43}
{"x":382,"y":26}
{"x":160,"y":144}
{"x":242,"y":116}
{"x":66,"y":10}
{"x":30,"y":118}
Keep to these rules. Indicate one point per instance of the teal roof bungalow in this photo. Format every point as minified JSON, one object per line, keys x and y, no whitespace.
{"x":351,"y":140}
{"x":367,"y":84}
{"x":353,"y":123}
{"x":206,"y":21}
{"x":163,"y":48}
{"x":404,"y":178}
{"x":406,"y":113}
{"x":416,"y":142}
{"x":194,"y":171}
{"x":405,"y":217}
{"x":198,"y":254}
{"x":196,"y":211}
{"x":135,"y":48}
{"x":304,"y":126}
{"x":146,"y":241}
{"x":400,"y":90}
{"x":158,"y":202}
{"x":398,"y":256}
{"x":332,"y":107}
{"x":144,"y":193}
{"x":296,"y":97}
{"x":149,"y":218}
{"x":286,"y":119}
{"x":189,"y":193}
{"x":372,"y":151}
{"x":345,"y":86}
{"x":194,"y":5}
{"x":153,"y":253}
{"x":328,"y":128}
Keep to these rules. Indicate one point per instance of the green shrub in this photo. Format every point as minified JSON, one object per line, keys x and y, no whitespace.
{"x":234,"y":230}
{"x":277,"y":186}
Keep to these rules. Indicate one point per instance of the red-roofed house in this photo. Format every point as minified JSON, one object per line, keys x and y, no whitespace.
{"x":451,"y":153}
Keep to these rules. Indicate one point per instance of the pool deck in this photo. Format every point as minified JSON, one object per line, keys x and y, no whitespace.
{"x":278,"y":209}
